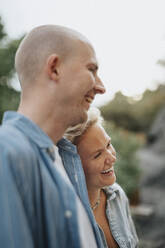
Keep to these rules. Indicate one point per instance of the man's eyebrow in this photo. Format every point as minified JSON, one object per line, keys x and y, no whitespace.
{"x":95,"y":65}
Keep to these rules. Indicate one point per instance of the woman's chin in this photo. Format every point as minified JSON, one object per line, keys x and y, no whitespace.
{"x":109,"y":181}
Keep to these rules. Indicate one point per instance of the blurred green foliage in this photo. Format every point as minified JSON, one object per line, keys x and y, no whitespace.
{"x":127,"y":119}
{"x":9,"y":98}
{"x":126,"y":145}
{"x":135,"y":115}
{"x":7,"y":55}
{"x":2,"y":32}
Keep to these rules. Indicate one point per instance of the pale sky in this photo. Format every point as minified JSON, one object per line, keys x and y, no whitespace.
{"x":128,"y":36}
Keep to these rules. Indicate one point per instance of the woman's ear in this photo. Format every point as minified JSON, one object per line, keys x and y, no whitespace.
{"x":52,"y":67}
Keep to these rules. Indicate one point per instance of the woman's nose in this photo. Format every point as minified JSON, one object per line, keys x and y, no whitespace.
{"x":111,"y":157}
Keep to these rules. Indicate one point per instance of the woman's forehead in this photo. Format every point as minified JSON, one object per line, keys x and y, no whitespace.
{"x":94,"y":138}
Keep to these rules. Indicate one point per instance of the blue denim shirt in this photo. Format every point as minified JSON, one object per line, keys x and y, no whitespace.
{"x":119,"y":218}
{"x":34,"y":199}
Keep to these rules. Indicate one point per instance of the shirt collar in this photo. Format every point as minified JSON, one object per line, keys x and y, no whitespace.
{"x":35,"y":133}
{"x":67,"y":146}
{"x":29,"y":128}
{"x":111,"y":190}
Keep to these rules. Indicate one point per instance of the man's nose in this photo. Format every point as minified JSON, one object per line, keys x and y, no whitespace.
{"x":99,"y":87}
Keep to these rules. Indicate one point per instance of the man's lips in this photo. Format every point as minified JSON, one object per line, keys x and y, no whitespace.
{"x":89,"y":99}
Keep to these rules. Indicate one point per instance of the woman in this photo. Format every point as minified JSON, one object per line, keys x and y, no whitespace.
{"x":108,"y":201}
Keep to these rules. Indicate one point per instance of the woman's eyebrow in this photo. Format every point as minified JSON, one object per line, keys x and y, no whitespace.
{"x":96,"y":151}
{"x":100,"y":149}
{"x":109,"y":141}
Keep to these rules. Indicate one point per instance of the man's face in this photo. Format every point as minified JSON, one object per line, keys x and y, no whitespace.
{"x":81,"y":82}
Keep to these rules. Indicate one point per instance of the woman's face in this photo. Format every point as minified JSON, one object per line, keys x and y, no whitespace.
{"x":98,"y":157}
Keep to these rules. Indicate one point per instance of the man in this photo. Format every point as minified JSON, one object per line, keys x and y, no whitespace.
{"x":39,"y":207}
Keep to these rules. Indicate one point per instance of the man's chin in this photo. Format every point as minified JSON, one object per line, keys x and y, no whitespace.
{"x":81,"y":119}
{"x":84,"y":117}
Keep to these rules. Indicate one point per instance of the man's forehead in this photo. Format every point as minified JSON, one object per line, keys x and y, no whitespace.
{"x":86,"y":48}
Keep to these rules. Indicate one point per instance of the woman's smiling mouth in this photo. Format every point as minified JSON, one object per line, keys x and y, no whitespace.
{"x":109,"y":171}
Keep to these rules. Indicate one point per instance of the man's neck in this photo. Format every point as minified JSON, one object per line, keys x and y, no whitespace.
{"x":52,"y":124}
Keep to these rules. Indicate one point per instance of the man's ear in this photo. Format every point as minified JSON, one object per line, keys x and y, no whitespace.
{"x":52,"y":67}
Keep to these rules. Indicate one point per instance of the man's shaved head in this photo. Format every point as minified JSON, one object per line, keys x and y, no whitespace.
{"x":39,"y":44}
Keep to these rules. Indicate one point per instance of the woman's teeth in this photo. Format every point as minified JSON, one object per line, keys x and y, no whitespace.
{"x":107,"y":171}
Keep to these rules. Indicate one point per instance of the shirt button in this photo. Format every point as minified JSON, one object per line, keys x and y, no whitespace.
{"x":51,"y":150}
{"x":76,"y":178}
{"x":68,"y":213}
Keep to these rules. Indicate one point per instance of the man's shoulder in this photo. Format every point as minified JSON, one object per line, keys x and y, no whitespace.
{"x":18,"y":156}
{"x":13,"y":143}
{"x":11,"y":134}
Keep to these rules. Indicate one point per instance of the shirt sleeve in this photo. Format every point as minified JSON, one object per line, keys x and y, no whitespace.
{"x":15,"y":231}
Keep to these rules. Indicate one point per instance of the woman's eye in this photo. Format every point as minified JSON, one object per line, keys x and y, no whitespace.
{"x":97,"y":155}
{"x":109,"y":144}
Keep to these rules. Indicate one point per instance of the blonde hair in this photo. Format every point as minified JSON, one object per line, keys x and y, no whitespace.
{"x":76,"y":132}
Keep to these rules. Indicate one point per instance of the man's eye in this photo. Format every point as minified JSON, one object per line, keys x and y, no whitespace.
{"x":92,"y":70}
{"x":97,"y":155}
